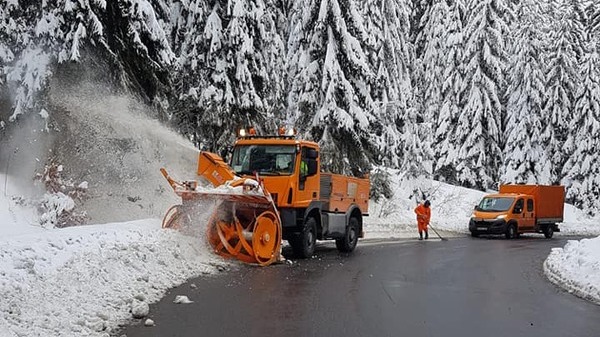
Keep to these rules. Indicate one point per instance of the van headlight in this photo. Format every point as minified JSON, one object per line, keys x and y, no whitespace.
{"x":501,"y":216}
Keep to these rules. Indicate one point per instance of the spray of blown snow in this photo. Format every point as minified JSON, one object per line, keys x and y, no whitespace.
{"x":109,"y":141}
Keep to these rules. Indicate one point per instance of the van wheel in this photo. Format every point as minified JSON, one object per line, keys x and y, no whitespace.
{"x":549,"y":231}
{"x":304,"y":245}
{"x":350,"y":239}
{"x":511,"y":232}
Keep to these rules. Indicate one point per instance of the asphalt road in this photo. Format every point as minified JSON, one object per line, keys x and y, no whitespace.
{"x":460,"y":287}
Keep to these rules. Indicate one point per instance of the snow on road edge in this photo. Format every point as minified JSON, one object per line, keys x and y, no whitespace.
{"x":86,"y":280}
{"x":576,"y":268}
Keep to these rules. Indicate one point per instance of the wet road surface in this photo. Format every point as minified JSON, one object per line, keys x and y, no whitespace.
{"x":461,"y":287}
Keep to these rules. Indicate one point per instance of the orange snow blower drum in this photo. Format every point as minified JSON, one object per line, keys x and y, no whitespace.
{"x":245,"y":223}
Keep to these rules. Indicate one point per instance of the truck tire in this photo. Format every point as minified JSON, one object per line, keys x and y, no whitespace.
{"x":350,"y":239}
{"x":304,"y":245}
{"x":549,"y":231}
{"x":511,"y":232}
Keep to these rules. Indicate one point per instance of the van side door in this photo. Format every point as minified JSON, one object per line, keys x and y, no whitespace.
{"x":529,"y":213}
{"x":518,"y":213}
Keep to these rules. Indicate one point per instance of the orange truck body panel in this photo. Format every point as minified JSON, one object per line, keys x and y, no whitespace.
{"x":549,"y":200}
{"x":346,"y":191}
{"x":214,"y":169}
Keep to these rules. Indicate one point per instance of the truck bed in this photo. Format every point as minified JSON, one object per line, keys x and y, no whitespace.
{"x":550,"y":200}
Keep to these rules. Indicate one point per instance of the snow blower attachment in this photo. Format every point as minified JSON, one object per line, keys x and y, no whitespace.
{"x":245,"y":223}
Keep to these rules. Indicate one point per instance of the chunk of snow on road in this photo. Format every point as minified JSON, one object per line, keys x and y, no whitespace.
{"x":182,"y":299}
{"x":139,"y":309}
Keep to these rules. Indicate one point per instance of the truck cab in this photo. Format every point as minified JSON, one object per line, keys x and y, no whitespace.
{"x":311,"y":204}
{"x":518,"y":209}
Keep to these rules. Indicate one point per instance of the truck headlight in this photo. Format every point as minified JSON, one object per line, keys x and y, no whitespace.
{"x":501,"y":216}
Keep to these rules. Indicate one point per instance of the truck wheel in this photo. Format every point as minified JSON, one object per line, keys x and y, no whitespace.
{"x":348,"y":243}
{"x":511,"y":232}
{"x":304,"y":245}
{"x":549,"y":231}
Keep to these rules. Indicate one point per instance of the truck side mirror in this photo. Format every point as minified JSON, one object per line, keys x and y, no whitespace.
{"x":312,"y":154}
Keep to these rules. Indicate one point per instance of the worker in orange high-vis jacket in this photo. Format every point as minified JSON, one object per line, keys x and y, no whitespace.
{"x":423,"y":216}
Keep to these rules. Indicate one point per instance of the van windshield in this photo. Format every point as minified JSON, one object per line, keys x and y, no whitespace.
{"x":264,"y":159}
{"x":495,"y":204}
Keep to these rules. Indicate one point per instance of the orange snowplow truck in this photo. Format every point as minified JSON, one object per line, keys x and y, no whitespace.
{"x":518,"y":209}
{"x":285,"y":196}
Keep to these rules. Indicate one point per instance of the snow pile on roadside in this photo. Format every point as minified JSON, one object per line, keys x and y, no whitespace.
{"x":86,"y":280}
{"x":576,"y":268}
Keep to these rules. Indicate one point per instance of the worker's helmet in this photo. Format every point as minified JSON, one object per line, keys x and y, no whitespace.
{"x":427,"y":203}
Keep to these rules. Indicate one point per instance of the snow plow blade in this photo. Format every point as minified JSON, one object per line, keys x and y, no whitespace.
{"x":245,"y":223}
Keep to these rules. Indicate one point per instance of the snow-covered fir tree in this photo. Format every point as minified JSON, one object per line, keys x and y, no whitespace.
{"x":433,"y":57}
{"x":479,"y":128}
{"x":127,"y":35}
{"x":193,"y":36}
{"x":227,"y":80}
{"x":579,"y":20}
{"x":525,"y":159}
{"x":330,"y":96}
{"x":593,"y":26}
{"x":561,"y":77}
{"x":445,"y":142}
{"x":416,"y":127}
{"x":582,"y":170}
{"x":391,"y":55}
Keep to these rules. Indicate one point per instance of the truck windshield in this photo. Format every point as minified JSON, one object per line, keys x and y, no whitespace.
{"x":495,"y":204}
{"x":264,"y":159}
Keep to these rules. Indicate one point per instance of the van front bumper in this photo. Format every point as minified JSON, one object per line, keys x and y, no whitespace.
{"x":489,"y":226}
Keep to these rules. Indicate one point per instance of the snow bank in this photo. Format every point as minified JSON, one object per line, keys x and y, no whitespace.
{"x":576,"y":268}
{"x":86,"y":280}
